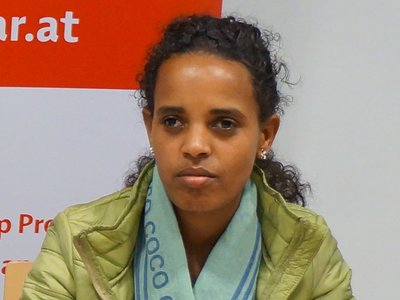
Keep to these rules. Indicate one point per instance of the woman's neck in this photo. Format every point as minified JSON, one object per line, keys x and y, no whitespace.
{"x":200,"y":232}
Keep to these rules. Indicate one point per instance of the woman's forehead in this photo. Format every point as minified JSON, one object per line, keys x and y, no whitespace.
{"x":202,"y":70}
{"x":197,"y":79}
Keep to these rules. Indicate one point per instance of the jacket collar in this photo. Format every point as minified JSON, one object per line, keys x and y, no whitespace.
{"x":290,"y":241}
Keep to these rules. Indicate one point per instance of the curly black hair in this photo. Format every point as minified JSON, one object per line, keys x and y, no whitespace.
{"x":237,"y":40}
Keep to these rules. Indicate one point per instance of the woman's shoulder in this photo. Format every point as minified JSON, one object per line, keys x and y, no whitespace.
{"x":309,"y":215}
{"x":101,"y":212}
{"x":108,"y":211}
{"x":112,"y":201}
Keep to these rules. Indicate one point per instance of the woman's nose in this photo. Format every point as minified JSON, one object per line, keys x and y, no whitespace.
{"x":196,"y":143}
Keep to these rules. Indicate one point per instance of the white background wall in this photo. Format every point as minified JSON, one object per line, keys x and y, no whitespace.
{"x":343,"y":128}
{"x":61,"y":147}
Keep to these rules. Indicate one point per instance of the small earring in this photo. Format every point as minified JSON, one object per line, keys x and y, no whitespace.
{"x":151,"y":151}
{"x":263,"y":154}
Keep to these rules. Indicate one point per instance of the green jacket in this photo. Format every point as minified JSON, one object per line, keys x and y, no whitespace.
{"x":88,"y":250}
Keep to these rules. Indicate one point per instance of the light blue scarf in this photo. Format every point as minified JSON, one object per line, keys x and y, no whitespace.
{"x":160,"y":265}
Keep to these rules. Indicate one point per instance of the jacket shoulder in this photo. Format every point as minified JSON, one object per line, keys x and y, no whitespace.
{"x":102,"y":212}
{"x":109,"y":211}
{"x":311,"y":216}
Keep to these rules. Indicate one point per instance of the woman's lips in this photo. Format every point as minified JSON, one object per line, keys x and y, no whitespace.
{"x":196,"y":178}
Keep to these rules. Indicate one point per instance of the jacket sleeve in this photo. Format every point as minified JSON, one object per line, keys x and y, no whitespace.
{"x":51,"y":276}
{"x":332,"y":275}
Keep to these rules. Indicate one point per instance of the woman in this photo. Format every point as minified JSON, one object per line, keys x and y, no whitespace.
{"x":212,"y":215}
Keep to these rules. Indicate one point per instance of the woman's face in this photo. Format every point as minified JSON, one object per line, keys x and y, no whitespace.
{"x":205,"y":131}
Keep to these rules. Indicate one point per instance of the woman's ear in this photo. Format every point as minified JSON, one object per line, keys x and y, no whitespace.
{"x":148,"y":120}
{"x":269,"y":129}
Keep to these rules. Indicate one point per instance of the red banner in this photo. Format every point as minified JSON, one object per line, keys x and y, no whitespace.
{"x":83,"y":44}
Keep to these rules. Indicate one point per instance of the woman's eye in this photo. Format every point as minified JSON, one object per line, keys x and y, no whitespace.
{"x":226,"y":124}
{"x":172,"y":122}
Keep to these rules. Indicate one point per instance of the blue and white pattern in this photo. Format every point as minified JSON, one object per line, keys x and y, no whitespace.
{"x":160,"y":265}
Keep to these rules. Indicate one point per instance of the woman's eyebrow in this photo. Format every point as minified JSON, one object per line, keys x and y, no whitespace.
{"x":232,"y":112}
{"x":165,"y":110}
